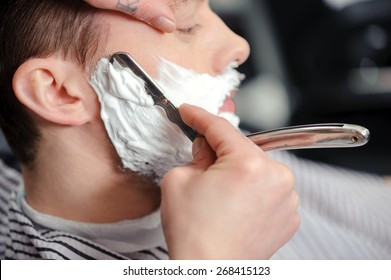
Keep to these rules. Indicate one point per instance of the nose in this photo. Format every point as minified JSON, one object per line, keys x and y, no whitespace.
{"x":228,"y":47}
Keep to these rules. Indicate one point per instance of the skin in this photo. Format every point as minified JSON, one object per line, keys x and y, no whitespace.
{"x":198,"y":28}
{"x":232,"y":202}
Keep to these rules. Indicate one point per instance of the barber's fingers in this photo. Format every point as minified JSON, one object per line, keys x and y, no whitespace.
{"x":203,"y":156}
{"x":155,"y":12}
{"x":222,"y":137}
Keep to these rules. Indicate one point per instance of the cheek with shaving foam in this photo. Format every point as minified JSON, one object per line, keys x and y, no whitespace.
{"x":146,"y":141}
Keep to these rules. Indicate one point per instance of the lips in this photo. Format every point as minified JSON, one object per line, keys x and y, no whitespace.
{"x":229,"y":104}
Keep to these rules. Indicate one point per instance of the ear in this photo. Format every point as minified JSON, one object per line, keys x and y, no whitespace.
{"x":54,"y":89}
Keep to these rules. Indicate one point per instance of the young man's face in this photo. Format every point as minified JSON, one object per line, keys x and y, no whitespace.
{"x":191,"y":65}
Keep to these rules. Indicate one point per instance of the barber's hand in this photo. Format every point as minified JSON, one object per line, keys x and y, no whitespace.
{"x":233,"y":202}
{"x":155,"y":12}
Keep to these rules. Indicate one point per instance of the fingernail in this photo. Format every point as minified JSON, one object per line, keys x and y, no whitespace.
{"x":197,"y":145}
{"x":164,"y":24}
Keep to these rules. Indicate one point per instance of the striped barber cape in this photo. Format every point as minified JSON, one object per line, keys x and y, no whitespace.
{"x":345,"y":215}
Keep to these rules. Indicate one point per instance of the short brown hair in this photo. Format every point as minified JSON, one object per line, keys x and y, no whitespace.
{"x":32,"y":29}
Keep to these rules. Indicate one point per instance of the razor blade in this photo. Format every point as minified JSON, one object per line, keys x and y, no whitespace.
{"x":334,"y":135}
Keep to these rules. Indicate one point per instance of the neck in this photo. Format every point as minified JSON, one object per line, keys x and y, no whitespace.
{"x":82,"y":182}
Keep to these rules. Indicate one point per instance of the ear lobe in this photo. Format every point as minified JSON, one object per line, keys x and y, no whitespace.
{"x":52,"y":90}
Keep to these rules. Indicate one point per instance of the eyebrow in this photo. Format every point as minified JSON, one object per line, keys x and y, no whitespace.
{"x":177,"y":3}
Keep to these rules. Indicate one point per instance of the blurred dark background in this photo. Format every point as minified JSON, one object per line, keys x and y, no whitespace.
{"x":314,"y":61}
{"x":318,"y":61}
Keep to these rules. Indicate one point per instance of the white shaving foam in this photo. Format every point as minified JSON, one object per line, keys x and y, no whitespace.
{"x":145,"y":140}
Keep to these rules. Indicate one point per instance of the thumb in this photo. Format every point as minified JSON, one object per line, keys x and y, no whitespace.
{"x":203,"y":154}
{"x":204,"y":157}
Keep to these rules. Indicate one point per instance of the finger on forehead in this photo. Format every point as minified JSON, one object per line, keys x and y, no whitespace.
{"x":157,"y":13}
{"x":141,"y":9}
{"x":220,"y":134}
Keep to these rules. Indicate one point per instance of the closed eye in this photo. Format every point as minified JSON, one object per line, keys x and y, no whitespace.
{"x":191,"y":30}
